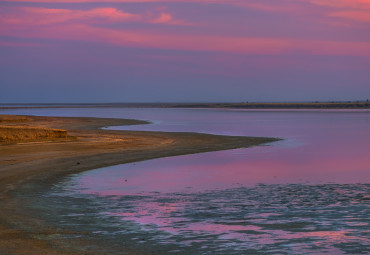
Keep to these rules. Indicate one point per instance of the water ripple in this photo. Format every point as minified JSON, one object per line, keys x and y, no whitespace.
{"x":265,"y":219}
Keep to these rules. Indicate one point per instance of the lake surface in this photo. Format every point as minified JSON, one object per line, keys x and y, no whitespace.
{"x":307,"y":194}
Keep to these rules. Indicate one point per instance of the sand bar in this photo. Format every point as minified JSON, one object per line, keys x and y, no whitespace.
{"x":30,"y":166}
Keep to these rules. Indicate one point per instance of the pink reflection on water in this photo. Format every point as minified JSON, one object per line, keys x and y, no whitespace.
{"x":154,"y":216}
{"x":244,"y":167}
{"x":319,"y":147}
{"x":315,"y":151}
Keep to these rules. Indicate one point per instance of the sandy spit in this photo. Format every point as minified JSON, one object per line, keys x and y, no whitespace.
{"x":37,"y":165}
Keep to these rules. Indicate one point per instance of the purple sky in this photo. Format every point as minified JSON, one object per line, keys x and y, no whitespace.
{"x":184,"y":50}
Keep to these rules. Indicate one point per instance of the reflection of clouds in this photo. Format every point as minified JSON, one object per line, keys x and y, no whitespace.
{"x":268,"y":165}
{"x":329,"y":218}
{"x":320,"y":147}
{"x":225,"y":210}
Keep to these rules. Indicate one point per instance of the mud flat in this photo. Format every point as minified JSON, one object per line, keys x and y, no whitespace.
{"x":31,"y":165}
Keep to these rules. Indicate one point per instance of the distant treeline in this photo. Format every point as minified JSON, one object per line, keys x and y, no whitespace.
{"x":313,"y":105}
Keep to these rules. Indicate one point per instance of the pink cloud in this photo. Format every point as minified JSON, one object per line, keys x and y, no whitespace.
{"x":356,"y":4}
{"x":155,"y":40}
{"x":163,"y":18}
{"x":347,"y":9}
{"x":286,"y":6}
{"x":43,"y":16}
{"x":167,"y":18}
{"x":361,"y":16}
{"x":71,"y":24}
{"x":254,"y":4}
{"x":258,"y":4}
{"x":350,"y":10}
{"x":46,"y":16}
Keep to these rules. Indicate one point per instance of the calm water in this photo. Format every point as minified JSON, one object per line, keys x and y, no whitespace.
{"x":308,"y":194}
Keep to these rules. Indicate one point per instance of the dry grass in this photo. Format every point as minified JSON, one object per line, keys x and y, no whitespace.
{"x":14,"y":134}
{"x":13,"y":118}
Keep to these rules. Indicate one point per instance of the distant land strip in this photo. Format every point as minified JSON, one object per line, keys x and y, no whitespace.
{"x":241,"y":105}
{"x":313,"y":105}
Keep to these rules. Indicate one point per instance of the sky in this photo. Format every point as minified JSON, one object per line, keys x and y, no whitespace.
{"x":86,"y":51}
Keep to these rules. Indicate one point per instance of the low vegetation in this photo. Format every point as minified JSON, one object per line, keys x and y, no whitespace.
{"x":13,"y":118}
{"x":16,"y":134}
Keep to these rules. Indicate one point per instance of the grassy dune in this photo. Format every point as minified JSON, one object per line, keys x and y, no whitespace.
{"x":13,"y":118}
{"x":14,"y":134}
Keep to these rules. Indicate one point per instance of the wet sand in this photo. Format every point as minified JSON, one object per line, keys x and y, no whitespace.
{"x":33,"y":166}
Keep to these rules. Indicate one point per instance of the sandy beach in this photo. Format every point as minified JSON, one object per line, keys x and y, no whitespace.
{"x":32,"y":165}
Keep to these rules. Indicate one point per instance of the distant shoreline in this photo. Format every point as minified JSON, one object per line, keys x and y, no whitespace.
{"x":314,"y":105}
{"x":243,"y":105}
{"x":29,"y":167}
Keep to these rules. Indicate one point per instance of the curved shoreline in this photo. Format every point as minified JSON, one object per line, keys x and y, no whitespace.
{"x":33,"y":166}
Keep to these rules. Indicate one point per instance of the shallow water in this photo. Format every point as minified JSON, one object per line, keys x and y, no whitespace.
{"x":308,"y":194}
{"x":264,"y":219}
